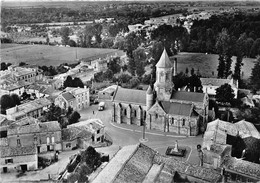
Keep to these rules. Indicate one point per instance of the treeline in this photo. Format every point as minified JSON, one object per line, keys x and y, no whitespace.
{"x":86,"y":13}
{"x":204,"y":33}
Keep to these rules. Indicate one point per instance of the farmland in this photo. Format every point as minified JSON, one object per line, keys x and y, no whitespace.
{"x":208,"y":63}
{"x":50,"y":55}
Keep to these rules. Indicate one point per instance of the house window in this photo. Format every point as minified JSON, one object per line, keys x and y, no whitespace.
{"x":35,"y":139}
{"x":68,"y":145}
{"x":52,"y":140}
{"x":48,"y":140}
{"x":183,"y":122}
{"x":98,"y":139}
{"x":156,"y":116}
{"x":9,"y":161}
{"x":18,"y":142}
{"x":98,"y":131}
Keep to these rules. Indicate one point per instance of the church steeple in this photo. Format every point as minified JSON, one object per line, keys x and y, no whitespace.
{"x":164,"y":61}
{"x":163,"y":85}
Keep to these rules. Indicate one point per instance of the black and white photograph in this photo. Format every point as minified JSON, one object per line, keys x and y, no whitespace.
{"x":130,"y":91}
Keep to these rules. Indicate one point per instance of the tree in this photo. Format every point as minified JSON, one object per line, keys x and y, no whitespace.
{"x":113,"y":65}
{"x":255,"y":49}
{"x":108,"y":74}
{"x":16,"y":99}
{"x":240,"y":52}
{"x":131,"y":66}
{"x":92,"y":158}
{"x":134,"y":82}
{"x":72,"y":43}
{"x":6,"y":103}
{"x":224,"y":49}
{"x":74,"y":117}
{"x":180,"y":80}
{"x":64,"y":32}
{"x":225,"y":94}
{"x":77,"y":82}
{"x":68,"y":82}
{"x":249,"y":114}
{"x":255,"y":76}
{"x":3,"y":66}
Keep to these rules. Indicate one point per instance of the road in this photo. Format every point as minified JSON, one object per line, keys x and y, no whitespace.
{"x":123,"y":135}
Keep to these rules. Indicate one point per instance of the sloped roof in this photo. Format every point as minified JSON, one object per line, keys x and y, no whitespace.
{"x":247,"y":129}
{"x":68,"y":96}
{"x":72,"y":133}
{"x":50,"y":126}
{"x":214,"y":81}
{"x":130,"y":96}
{"x":7,"y":151}
{"x":164,"y":61}
{"x":139,"y":163}
{"x":176,"y":108}
{"x":188,"y":96}
{"x":241,"y":166}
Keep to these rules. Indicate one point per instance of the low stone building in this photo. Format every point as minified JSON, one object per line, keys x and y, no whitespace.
{"x":22,"y":158}
{"x":45,"y":136}
{"x":209,"y":85}
{"x":33,"y":108}
{"x":77,"y":98}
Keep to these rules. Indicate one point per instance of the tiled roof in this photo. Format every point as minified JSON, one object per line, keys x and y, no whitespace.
{"x":188,"y":96}
{"x":139,"y":163}
{"x":51,"y":126}
{"x":241,"y":166}
{"x":176,"y":108}
{"x":72,"y":133}
{"x":76,"y":90}
{"x":91,"y":125}
{"x":247,"y":129}
{"x":68,"y":96}
{"x":214,"y":81}
{"x":164,"y":61}
{"x":28,"y":107}
{"x":17,"y":151}
{"x":130,"y":96}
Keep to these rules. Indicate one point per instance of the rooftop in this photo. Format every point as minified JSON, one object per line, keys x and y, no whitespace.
{"x":188,"y":96}
{"x":51,"y":126}
{"x":176,"y":108}
{"x":130,"y":96}
{"x":68,"y":96}
{"x":90,"y":125}
{"x":164,"y":61}
{"x":139,"y":163}
{"x":28,"y":107}
{"x":7,"y":151}
{"x":72,"y":133}
{"x":214,"y":81}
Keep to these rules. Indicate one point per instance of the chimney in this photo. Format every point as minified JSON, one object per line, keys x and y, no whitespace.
{"x":175,"y":67}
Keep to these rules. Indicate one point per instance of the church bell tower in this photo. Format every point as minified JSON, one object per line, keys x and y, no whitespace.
{"x":164,"y":85}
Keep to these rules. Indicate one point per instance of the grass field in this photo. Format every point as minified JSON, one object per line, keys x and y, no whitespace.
{"x":209,"y":63}
{"x":50,"y":55}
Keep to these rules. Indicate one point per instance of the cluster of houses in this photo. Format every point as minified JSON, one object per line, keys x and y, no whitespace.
{"x":23,"y":141}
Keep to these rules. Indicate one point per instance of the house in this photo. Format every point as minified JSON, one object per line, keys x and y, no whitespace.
{"x":139,"y":163}
{"x":95,"y":126}
{"x":33,"y":108}
{"x":76,"y":137}
{"x":22,"y":158}
{"x":160,"y":107}
{"x":37,"y":90}
{"x":234,"y":147}
{"x":209,"y":85}
{"x":45,"y":136}
{"x":77,"y":98}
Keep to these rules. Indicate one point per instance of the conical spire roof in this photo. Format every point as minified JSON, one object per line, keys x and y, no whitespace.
{"x":149,"y":90}
{"x":164,"y":61}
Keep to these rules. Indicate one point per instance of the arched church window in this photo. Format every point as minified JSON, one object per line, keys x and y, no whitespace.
{"x":167,"y":76}
{"x":135,"y":113}
{"x":125,"y":111}
{"x":172,"y":121}
{"x":183,"y":122}
{"x":161,"y":76}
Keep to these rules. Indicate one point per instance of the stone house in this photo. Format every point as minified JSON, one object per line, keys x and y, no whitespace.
{"x":77,"y":98}
{"x":209,"y":85}
{"x":22,"y":158}
{"x":45,"y":136}
{"x":76,"y":137}
{"x":33,"y":108}
{"x":94,"y":126}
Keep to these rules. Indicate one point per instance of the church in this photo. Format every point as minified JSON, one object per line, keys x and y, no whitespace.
{"x":161,"y":107}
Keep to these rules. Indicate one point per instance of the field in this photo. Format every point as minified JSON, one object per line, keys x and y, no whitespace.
{"x":50,"y":55}
{"x":208,"y":63}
